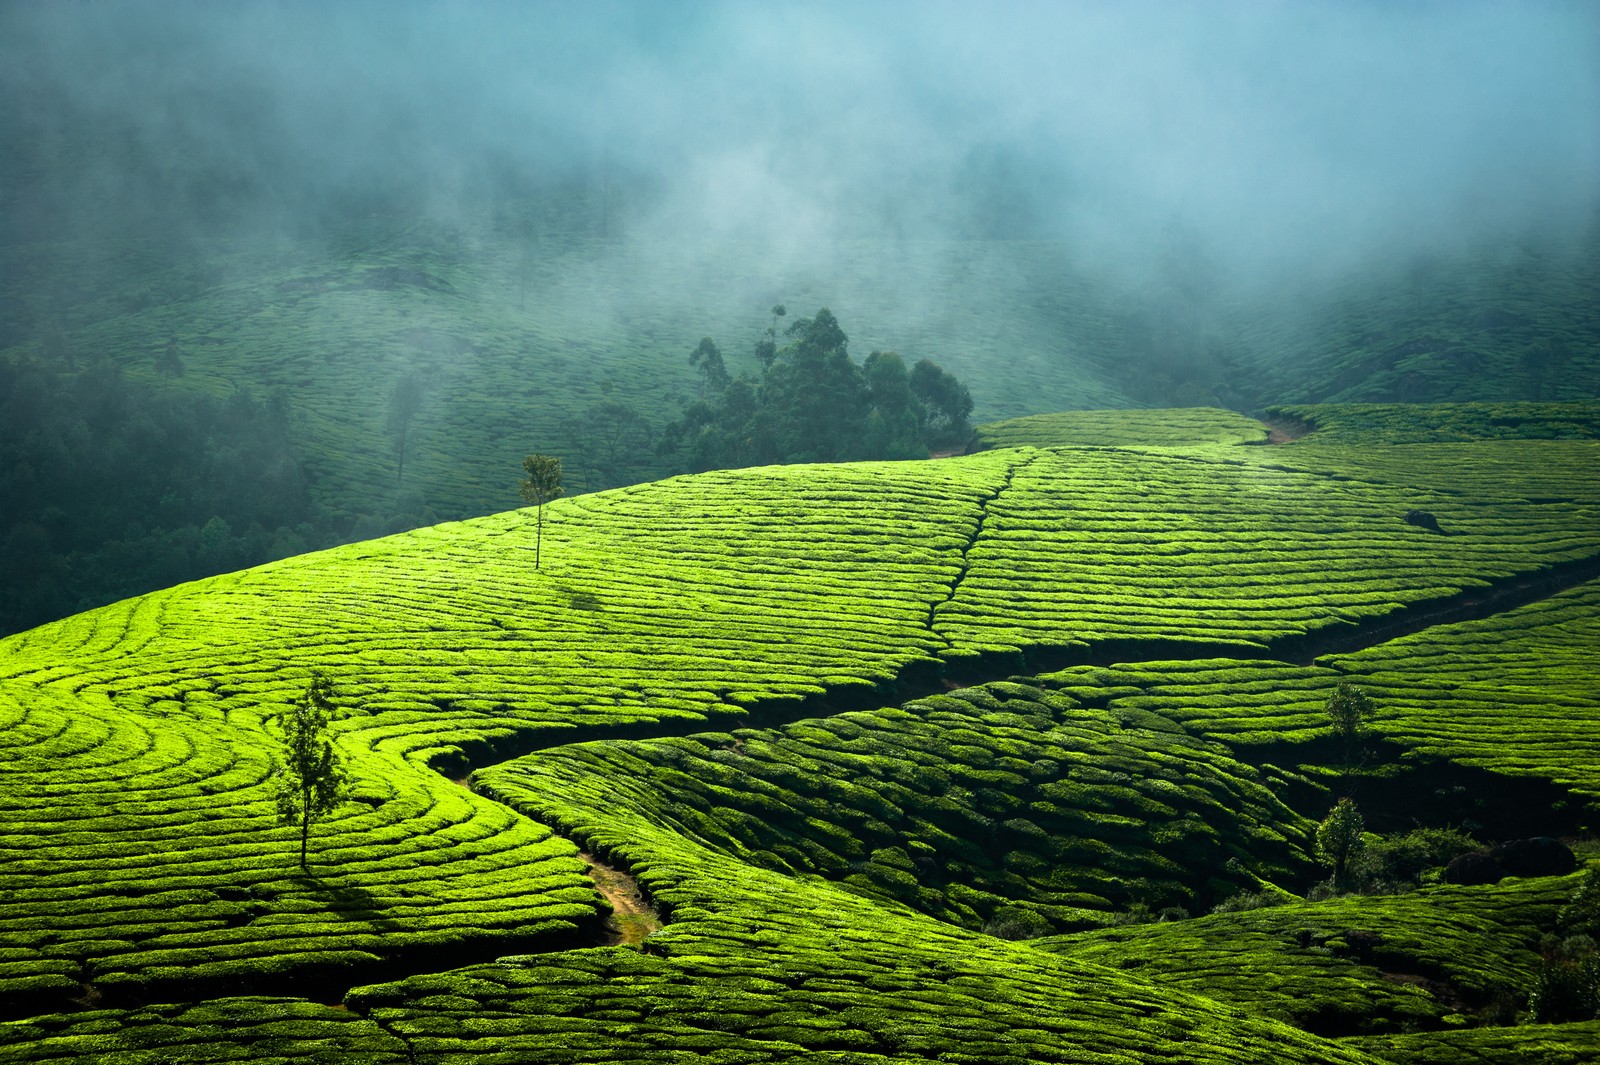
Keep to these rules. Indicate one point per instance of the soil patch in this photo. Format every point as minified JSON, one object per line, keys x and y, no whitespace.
{"x":632,"y":917}
{"x":1285,"y":430}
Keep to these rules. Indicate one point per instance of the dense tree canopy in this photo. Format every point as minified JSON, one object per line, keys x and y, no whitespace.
{"x":814,"y":403}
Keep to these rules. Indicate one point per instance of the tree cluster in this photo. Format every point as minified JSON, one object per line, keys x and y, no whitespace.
{"x":814,"y":403}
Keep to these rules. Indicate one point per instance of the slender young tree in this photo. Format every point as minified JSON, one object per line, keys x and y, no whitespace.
{"x":543,"y":485}
{"x":310,"y":780}
{"x":767,"y":346}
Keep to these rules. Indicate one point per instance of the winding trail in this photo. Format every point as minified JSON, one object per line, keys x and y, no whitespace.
{"x":633,"y":919}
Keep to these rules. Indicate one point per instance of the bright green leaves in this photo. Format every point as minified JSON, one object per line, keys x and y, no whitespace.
{"x":542,"y":485}
{"x":1339,"y":837}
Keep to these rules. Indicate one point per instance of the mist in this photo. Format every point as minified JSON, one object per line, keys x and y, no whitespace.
{"x":1286,"y":141}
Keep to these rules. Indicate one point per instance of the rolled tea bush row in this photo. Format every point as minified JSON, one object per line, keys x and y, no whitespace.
{"x":1351,"y":964}
{"x":1176,"y":427}
{"x":991,"y":806}
{"x":1086,"y":546}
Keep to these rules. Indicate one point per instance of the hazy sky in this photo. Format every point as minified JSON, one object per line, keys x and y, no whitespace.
{"x":1273,"y":132}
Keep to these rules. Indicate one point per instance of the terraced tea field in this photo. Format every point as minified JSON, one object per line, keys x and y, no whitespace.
{"x":1350,"y":963}
{"x":742,"y":687}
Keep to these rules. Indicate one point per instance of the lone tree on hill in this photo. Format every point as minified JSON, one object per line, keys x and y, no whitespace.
{"x":1349,"y":708}
{"x":1339,"y":838}
{"x":311,"y":782}
{"x":543,"y":485}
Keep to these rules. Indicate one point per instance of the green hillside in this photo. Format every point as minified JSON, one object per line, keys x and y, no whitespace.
{"x":520,"y":343}
{"x":1510,"y":320}
{"x":1395,"y":963}
{"x":862,"y":734}
{"x":245,"y":389}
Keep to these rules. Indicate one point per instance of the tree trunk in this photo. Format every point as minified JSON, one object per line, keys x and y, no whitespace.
{"x":538,"y":537}
{"x":305,"y":828}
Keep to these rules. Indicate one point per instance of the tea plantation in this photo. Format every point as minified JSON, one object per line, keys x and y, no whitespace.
{"x":924,"y":761}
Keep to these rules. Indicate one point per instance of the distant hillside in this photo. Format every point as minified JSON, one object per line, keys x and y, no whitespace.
{"x":1517,"y":322}
{"x":550,"y":325}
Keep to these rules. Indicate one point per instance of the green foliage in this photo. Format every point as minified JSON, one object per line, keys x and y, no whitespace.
{"x":544,"y":479}
{"x":813,"y":403}
{"x":1227,"y":551}
{"x":1438,"y":957}
{"x":1416,"y":423}
{"x":1350,"y":709}
{"x":607,"y":443}
{"x":1567,"y":987}
{"x":970,"y":807}
{"x":311,"y":780}
{"x":1339,"y":839}
{"x":1489,"y":323}
{"x":404,"y":403}
{"x":815,"y":877}
{"x":1248,"y":900}
{"x":257,"y":1031}
{"x":1017,"y":922}
{"x":1581,"y":916}
{"x":713,"y":372}
{"x":108,"y":481}
{"x":1406,"y":858}
{"x":1454,"y":691}
{"x":513,"y":321}
{"x":542,"y":485}
{"x":1568,"y":1044}
{"x":1174,"y":427}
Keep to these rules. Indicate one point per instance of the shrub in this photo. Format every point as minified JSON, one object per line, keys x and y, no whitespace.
{"x":1567,"y":987}
{"x":1581,"y":916}
{"x":1015,"y":922}
{"x":1409,"y":856}
{"x":1249,"y":900}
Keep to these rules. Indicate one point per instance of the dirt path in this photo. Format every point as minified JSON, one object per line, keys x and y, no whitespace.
{"x":1285,"y":430}
{"x":632,"y":918}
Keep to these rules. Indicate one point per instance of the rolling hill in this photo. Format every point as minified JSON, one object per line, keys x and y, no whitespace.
{"x":271,"y":362}
{"x":915,"y":761}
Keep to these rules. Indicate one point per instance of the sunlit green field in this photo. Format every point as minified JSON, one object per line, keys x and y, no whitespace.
{"x":909,"y":757}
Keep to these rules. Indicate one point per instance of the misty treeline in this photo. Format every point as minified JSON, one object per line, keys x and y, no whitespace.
{"x":115,"y":486}
{"x":814,"y":403}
